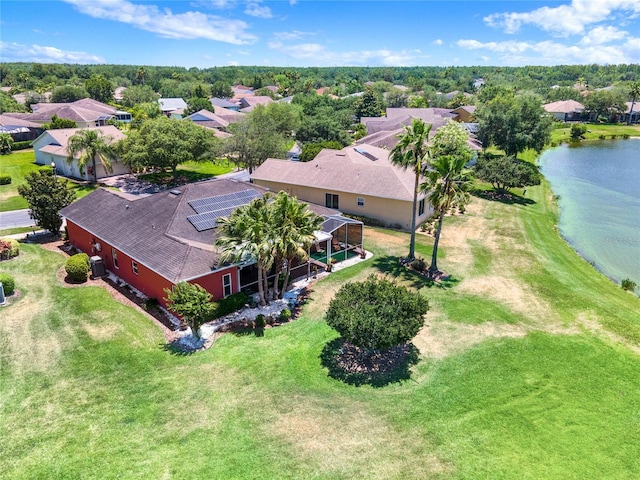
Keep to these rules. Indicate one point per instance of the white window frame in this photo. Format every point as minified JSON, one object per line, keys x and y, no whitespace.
{"x":114,"y":255}
{"x":226,"y":283}
{"x":421,"y":207}
{"x":360,"y":201}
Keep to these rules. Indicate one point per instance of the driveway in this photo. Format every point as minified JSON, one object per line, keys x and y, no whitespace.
{"x":15,"y":219}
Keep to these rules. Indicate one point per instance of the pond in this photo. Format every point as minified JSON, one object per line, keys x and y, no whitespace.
{"x":598,"y":185}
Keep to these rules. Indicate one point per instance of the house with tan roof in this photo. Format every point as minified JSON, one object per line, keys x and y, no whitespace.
{"x":357,"y":180}
{"x":384,"y":131}
{"x":19,"y":129}
{"x":210,"y":121}
{"x":51,"y":149}
{"x":247,"y":104}
{"x":85,"y":112}
{"x":565,"y":110}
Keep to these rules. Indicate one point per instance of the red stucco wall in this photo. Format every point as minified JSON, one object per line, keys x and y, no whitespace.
{"x":147,"y":281}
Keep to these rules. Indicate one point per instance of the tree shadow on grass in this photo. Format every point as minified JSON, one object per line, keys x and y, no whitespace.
{"x":507,"y":198}
{"x":178,"y":349}
{"x":166,"y":178}
{"x":392,"y":266}
{"x":347,"y":363}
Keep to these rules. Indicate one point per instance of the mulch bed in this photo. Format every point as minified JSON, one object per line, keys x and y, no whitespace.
{"x":352,"y":359}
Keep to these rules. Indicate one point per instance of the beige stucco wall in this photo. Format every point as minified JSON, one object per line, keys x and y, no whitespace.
{"x":391,"y":212}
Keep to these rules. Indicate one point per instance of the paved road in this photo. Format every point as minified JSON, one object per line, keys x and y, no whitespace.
{"x":15,"y":218}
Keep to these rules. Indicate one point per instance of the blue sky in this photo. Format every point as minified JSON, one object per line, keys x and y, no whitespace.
{"x":207,"y":33}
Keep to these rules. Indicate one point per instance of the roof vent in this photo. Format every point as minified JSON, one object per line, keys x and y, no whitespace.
{"x":126,"y":207}
{"x":175,"y":192}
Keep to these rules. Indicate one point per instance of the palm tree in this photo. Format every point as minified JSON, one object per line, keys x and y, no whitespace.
{"x":412,"y":152}
{"x":634,"y":92}
{"x":446,"y":180}
{"x":294,"y":225}
{"x":247,"y":234}
{"x":91,"y":144}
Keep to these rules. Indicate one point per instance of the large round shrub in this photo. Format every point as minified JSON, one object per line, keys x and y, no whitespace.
{"x":376,"y":314}
{"x":9,"y":248}
{"x":77,"y":267}
{"x":8,"y":283}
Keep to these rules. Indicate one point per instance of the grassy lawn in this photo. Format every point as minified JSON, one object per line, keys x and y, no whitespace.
{"x":18,"y":165}
{"x":594,"y":131}
{"x":191,"y":172}
{"x":529,"y":368}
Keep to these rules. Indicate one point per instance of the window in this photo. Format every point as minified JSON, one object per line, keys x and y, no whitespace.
{"x":331,"y":200}
{"x":114,"y":254}
{"x":360,"y":201}
{"x":421,"y":208}
{"x":226,"y":285}
{"x":134,"y":267}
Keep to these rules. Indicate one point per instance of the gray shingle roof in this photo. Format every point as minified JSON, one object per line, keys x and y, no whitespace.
{"x":154,"y":230}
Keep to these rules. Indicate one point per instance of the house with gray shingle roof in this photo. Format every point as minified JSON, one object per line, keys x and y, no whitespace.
{"x":85,"y":112}
{"x":358,"y":180}
{"x":157,"y":241}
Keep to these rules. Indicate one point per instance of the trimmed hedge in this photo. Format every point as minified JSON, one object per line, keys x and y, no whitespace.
{"x":231,"y":304}
{"x":21,"y":145}
{"x":5,"y":179}
{"x":9,"y":248}
{"x":8,"y":283}
{"x":77,"y":267}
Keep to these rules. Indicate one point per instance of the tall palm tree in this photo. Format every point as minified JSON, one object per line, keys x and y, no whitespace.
{"x":91,"y":144}
{"x":247,"y":234}
{"x":412,"y":152}
{"x":447,"y":181}
{"x":634,"y":92}
{"x":294,"y":225}
{"x":447,"y":184}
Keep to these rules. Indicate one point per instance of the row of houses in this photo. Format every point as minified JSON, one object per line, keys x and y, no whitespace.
{"x":155,"y":242}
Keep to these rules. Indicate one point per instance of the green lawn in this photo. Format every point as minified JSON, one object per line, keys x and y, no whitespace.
{"x":529,"y":369}
{"x":191,"y":172}
{"x":594,"y":131}
{"x":18,"y":165}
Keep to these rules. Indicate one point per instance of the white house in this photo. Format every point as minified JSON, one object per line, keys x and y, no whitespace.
{"x":51,"y":149}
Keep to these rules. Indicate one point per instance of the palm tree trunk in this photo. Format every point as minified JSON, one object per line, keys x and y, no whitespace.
{"x":265,"y":287}
{"x":633,"y":102}
{"x":263,"y":302}
{"x":275,"y":281}
{"x":412,"y":243}
{"x":95,"y":172}
{"x":433,"y":269}
{"x":287,"y":275}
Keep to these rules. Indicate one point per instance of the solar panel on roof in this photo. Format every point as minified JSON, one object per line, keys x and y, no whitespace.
{"x":229,"y":200}
{"x":209,"y":210}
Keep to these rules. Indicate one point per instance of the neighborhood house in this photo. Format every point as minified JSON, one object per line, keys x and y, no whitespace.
{"x":51,"y":149}
{"x":358,"y":180}
{"x":155,"y":242}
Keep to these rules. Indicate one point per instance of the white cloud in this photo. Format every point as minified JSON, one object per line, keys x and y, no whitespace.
{"x":437,"y":42}
{"x":16,"y":52}
{"x":292,"y":35}
{"x":254,"y":9}
{"x":187,"y":25}
{"x":320,"y":55}
{"x":233,"y":63}
{"x":600,"y":35}
{"x":566,"y":19}
{"x":554,"y":53}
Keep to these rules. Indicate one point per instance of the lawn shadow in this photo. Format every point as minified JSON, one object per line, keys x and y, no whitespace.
{"x":391,"y":265}
{"x":177,"y":348}
{"x":350,"y":365}
{"x":507,"y":198}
